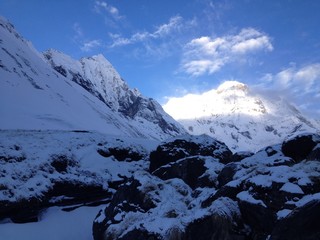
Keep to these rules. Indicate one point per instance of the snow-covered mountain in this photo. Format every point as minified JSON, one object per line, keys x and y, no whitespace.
{"x":54,"y":91}
{"x":239,"y":116}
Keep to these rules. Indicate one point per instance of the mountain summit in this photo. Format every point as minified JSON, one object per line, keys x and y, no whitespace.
{"x":54,"y":91}
{"x":235,"y":114}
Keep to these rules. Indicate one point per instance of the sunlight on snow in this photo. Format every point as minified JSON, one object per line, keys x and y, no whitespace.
{"x":229,"y":97}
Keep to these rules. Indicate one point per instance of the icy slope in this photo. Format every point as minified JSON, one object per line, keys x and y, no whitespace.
{"x":35,"y":96}
{"x":241,"y":118}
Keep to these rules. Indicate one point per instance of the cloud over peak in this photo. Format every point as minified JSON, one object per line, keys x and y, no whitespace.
{"x":206,"y":55}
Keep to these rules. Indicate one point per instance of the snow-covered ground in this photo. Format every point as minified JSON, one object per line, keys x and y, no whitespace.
{"x":55,"y":224}
{"x":26,"y":160}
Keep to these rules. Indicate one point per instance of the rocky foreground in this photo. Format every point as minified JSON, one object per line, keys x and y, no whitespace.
{"x":186,"y":188}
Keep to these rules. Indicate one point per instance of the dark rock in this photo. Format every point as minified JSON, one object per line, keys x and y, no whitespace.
{"x":188,"y":169}
{"x":224,"y":191}
{"x":224,"y":222}
{"x":302,"y":224}
{"x":75,"y":193}
{"x":227,"y":173}
{"x":314,"y":155}
{"x":214,"y":227}
{"x":180,"y":148}
{"x":127,"y":198}
{"x":62,"y":162}
{"x":62,"y":194}
{"x":60,"y":70}
{"x":23,"y":211}
{"x":121,"y":154}
{"x":299,"y":147}
{"x":238,"y":156}
{"x":139,"y":234}
{"x":270,"y":151}
{"x":260,"y":218}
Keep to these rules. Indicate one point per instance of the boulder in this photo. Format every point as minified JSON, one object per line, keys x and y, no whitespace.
{"x":222,"y":221}
{"x":238,"y":156}
{"x":121,"y":154}
{"x":193,"y":146}
{"x":301,"y":223}
{"x":188,"y":169}
{"x":128,"y":198}
{"x":227,"y":173}
{"x":300,"y":146}
{"x":213,"y":227}
{"x":259,"y":217}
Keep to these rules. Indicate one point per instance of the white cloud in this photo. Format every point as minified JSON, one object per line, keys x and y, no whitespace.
{"x":306,"y":78}
{"x":300,"y":84}
{"x":216,"y":52}
{"x":174,"y":26}
{"x":84,"y":44}
{"x":109,"y":9}
{"x":77,"y":29}
{"x":89,"y":45}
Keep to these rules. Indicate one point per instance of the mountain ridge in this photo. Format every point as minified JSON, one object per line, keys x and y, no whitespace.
{"x":88,"y":94}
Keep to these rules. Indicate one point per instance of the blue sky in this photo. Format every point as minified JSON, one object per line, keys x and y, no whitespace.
{"x":170,"y":48}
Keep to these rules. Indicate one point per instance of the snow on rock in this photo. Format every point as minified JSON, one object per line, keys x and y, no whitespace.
{"x":291,"y":188}
{"x":262,"y":190}
{"x":50,"y":167}
{"x":247,"y":197}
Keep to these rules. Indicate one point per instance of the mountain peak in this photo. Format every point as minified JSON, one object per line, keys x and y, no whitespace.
{"x":232,"y":86}
{"x":239,"y":116}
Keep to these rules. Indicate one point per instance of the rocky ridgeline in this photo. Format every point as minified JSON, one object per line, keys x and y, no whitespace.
{"x":197,"y":189}
{"x":188,"y":188}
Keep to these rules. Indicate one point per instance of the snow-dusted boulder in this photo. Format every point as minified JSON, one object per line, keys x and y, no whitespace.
{"x":149,"y":208}
{"x":186,"y":146}
{"x":197,"y":196}
{"x":196,"y":171}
